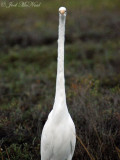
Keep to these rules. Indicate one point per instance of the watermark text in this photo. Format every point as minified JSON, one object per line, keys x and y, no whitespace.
{"x":22,"y":4}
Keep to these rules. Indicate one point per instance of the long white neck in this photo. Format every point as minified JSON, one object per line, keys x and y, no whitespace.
{"x":60,"y":96}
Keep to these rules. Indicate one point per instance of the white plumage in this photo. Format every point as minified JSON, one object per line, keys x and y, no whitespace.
{"x":58,"y":136}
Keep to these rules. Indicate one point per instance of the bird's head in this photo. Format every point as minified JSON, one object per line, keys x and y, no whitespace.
{"x":62,"y":11}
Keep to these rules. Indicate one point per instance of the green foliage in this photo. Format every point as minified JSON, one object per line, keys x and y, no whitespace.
{"x":28,"y":60}
{"x":17,"y":152}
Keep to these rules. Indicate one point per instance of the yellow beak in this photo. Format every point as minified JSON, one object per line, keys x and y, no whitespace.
{"x":62,"y":11}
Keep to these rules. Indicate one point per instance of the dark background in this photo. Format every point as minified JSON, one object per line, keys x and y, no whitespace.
{"x":28,"y":60}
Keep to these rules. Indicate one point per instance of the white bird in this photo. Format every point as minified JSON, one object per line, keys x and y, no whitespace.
{"x":59,"y":136}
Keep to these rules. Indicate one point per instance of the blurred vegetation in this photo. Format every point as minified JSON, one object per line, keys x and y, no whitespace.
{"x":28,"y":60}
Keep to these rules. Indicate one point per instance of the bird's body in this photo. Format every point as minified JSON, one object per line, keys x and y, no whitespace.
{"x":58,"y":140}
{"x":58,"y":136}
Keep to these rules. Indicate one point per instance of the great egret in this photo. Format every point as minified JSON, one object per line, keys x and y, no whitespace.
{"x":58,"y":136}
